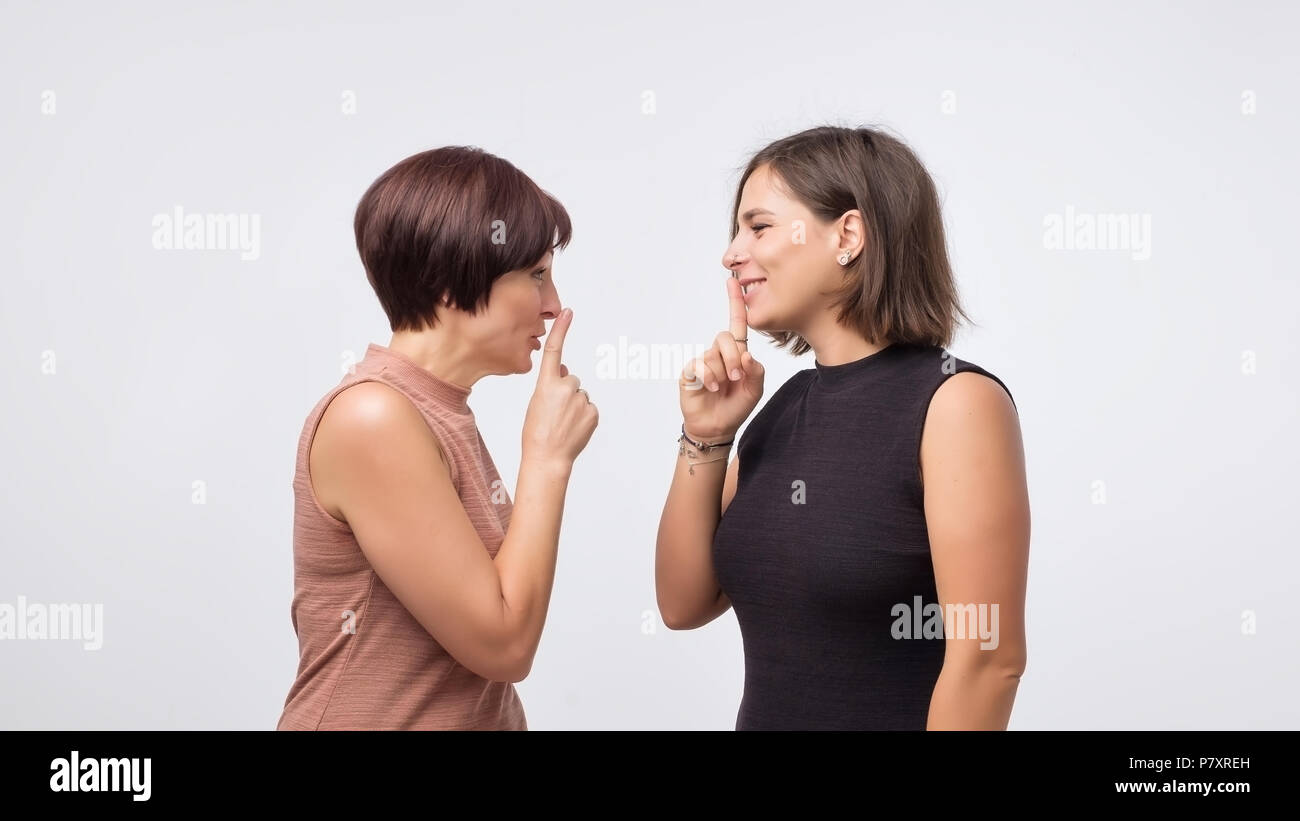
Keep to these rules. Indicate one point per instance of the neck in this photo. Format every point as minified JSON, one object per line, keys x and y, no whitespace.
{"x":436,"y":351}
{"x":834,"y":344}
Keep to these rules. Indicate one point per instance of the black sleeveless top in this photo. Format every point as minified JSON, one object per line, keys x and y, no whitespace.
{"x":825,"y":536}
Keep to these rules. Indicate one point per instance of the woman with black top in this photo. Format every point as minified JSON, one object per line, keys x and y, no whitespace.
{"x":872,"y":531}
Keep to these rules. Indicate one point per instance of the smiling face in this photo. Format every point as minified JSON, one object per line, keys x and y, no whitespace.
{"x":784,"y":256}
{"x":504,"y":336}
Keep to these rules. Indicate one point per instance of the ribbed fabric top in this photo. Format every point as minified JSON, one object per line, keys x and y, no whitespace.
{"x":365,"y":663}
{"x":826,"y":536}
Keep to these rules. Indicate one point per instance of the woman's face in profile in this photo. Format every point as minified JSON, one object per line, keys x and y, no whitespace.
{"x":783,"y":256}
{"x":504,"y":335}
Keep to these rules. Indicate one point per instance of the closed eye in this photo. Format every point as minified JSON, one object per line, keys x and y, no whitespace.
{"x":757,"y":228}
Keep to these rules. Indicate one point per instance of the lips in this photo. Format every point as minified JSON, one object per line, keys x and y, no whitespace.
{"x":537,"y":343}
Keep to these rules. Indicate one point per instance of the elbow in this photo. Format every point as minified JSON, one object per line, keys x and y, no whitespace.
{"x":520,"y":671}
{"x":1017,"y":669}
{"x":1005,"y":663}
{"x":693,"y":615}
{"x":508,"y":663}
{"x":671,"y":617}
{"x":1005,"y":667}
{"x":675,"y":614}
{"x":508,"y":670}
{"x":520,"y":663}
{"x":1011,"y":664}
{"x":499,"y":668}
{"x":674,"y":621}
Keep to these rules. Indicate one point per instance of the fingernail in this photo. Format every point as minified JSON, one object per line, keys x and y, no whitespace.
{"x":735,"y":374}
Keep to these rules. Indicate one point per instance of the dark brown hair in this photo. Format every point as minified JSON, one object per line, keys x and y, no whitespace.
{"x":450,"y":221}
{"x":900,"y":289}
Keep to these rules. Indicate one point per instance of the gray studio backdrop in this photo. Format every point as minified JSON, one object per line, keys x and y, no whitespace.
{"x":154,"y":395}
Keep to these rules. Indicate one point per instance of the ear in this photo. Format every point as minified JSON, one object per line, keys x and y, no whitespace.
{"x":851,"y":235}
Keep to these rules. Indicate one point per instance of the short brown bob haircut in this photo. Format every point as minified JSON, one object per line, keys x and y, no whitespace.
{"x":900,"y":289}
{"x":450,"y":221}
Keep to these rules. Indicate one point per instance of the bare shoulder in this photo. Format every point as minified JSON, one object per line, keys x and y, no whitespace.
{"x":368,"y":411}
{"x":368,"y":428}
{"x":971,"y":425}
{"x":970,"y":394}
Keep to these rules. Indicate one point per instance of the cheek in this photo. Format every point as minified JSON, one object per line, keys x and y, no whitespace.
{"x":776,"y":252}
{"x":528,"y":307}
{"x":790,"y":287}
{"x":774,"y":257}
{"x":516,"y":307}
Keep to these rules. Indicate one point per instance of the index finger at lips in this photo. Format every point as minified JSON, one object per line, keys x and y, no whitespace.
{"x":737,"y":323}
{"x":554,"y":348}
{"x":730,"y":351}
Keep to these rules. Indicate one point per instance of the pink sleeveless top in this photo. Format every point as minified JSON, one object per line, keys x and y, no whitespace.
{"x":365,"y":663}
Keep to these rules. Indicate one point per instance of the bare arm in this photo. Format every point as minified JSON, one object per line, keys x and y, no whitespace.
{"x":688,"y":592}
{"x":377,"y":461}
{"x":375,"y":457}
{"x":977,"y":514}
{"x":718,"y":391}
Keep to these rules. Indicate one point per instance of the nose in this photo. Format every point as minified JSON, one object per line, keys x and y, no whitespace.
{"x":733,"y":260}
{"x":551,"y":302}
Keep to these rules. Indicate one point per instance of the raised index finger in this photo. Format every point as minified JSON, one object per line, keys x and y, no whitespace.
{"x":554,"y":347}
{"x":738,"y":325}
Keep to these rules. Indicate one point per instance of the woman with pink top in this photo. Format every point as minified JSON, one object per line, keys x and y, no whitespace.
{"x":420,"y":587}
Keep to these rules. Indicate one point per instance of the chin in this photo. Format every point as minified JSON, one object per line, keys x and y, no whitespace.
{"x":509,"y":368}
{"x":761,"y":323}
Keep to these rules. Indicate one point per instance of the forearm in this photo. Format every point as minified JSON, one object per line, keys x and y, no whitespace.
{"x":973,"y":696}
{"x":684,"y":577}
{"x":527,"y":557}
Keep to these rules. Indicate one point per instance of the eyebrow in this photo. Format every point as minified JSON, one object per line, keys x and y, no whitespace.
{"x":753,"y":212}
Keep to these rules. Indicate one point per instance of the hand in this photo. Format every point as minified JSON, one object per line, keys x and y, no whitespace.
{"x":714,"y":403}
{"x":560,"y":417}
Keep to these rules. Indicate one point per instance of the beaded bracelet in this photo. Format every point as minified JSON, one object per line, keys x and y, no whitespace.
{"x":683,"y":440}
{"x":703,"y":446}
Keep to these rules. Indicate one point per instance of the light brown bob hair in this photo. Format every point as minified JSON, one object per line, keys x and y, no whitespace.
{"x":901,"y":288}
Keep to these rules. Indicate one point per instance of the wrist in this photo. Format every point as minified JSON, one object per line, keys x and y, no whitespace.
{"x":718,"y":440}
{"x":550,"y":468}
